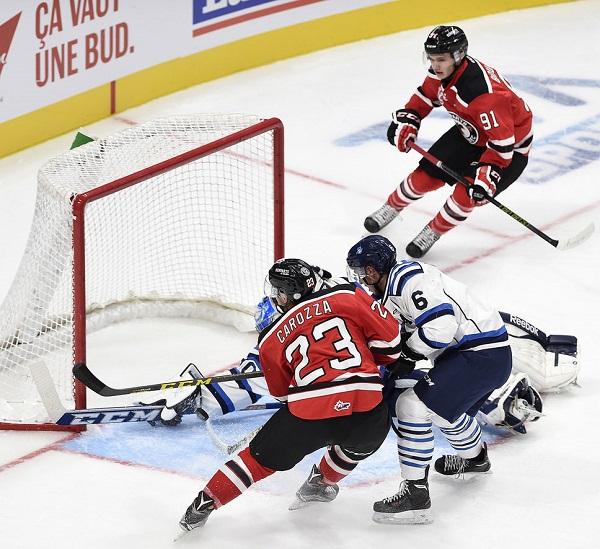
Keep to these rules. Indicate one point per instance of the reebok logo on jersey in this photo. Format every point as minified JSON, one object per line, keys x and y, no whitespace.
{"x":339,"y":406}
{"x":429,"y":381}
{"x":7,"y":31}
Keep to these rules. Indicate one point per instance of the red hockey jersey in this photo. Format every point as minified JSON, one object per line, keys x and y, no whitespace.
{"x":486,"y":109}
{"x":322,"y":355}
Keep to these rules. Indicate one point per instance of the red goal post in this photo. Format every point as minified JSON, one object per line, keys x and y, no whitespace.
{"x":181,"y":216}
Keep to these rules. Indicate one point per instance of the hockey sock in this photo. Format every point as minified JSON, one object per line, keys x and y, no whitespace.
{"x":464,"y":435}
{"x":235,"y":477}
{"x":457,"y":208}
{"x":338,"y":463}
{"x":411,"y":189}
{"x":415,"y":447}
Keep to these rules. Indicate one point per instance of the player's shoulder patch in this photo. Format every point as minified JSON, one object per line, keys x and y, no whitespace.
{"x":473,"y":82}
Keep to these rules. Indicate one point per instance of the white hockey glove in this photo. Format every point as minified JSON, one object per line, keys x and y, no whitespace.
{"x":513,"y":404}
{"x":404,"y":129}
{"x":179,"y":402}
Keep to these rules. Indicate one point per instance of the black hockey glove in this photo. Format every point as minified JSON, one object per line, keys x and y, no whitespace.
{"x":322,"y":272}
{"x":405,"y":363}
{"x":401,"y":368}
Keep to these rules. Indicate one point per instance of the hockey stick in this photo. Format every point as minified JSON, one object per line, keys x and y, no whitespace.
{"x":563,"y":244}
{"x":94,"y":416}
{"x":229,"y":449}
{"x":130,"y":414}
{"x":61,"y":416}
{"x":83,"y":374}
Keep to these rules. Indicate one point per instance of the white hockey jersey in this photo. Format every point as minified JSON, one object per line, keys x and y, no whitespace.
{"x":439,"y":312}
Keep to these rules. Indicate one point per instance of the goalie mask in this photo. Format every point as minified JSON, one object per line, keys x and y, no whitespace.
{"x":265,"y":314}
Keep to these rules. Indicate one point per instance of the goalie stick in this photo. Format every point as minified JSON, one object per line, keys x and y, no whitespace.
{"x":83,"y":374}
{"x":562,"y":244}
{"x":135,"y":413}
{"x":94,"y":416}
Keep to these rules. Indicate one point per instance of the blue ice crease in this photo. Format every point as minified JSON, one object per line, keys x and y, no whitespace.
{"x":188,"y":449}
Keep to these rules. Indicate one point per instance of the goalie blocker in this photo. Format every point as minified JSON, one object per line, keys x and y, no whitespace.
{"x":550,"y":361}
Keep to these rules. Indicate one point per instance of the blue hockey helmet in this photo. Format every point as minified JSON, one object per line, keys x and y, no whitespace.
{"x":373,"y":250}
{"x":265,"y":313}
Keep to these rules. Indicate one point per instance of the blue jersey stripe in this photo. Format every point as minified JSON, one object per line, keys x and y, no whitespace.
{"x":400,"y":275}
{"x":427,"y":341}
{"x":221,"y":397}
{"x":435,"y":312}
{"x":474,"y":340}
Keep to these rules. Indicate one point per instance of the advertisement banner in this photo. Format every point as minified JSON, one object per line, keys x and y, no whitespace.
{"x":51,"y":50}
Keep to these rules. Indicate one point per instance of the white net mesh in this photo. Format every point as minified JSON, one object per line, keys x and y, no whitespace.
{"x":191,"y":241}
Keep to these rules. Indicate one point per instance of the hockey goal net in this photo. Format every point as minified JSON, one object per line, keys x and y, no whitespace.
{"x":181,"y":216}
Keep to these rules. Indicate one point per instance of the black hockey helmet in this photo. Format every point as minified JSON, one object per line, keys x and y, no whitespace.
{"x":374,"y":250}
{"x":447,"y":39}
{"x":293,"y":277}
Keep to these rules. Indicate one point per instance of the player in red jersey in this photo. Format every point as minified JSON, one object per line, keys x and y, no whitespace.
{"x":488,"y":144}
{"x":320,"y":358}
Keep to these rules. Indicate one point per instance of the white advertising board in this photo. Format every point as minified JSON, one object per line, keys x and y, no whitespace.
{"x":53,"y":49}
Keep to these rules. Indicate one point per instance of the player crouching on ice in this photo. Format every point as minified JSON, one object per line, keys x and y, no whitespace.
{"x":320,"y":358}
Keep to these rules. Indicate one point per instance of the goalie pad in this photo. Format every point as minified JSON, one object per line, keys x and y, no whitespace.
{"x":513,"y":404}
{"x":551,"y":361}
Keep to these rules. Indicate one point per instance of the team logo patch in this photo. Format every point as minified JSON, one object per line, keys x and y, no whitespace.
{"x":304,"y":271}
{"x":340,"y":406}
{"x":469,"y":132}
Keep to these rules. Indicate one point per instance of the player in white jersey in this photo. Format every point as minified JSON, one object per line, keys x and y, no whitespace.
{"x":467,"y":344}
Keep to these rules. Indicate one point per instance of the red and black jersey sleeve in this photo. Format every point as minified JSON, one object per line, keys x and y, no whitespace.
{"x":426,"y":97}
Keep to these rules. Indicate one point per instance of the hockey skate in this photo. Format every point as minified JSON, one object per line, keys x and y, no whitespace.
{"x":456,"y":465}
{"x":314,"y":490}
{"x":197,"y":513}
{"x":380,"y":218}
{"x":423,"y":242}
{"x":410,"y":505}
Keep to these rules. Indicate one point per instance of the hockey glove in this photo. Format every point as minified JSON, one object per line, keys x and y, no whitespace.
{"x":484,"y":186}
{"x":401,"y":368}
{"x":403,"y":129}
{"x":405,"y":363}
{"x":326,"y":275}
